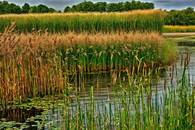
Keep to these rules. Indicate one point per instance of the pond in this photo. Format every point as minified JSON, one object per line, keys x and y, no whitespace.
{"x":51,"y":113}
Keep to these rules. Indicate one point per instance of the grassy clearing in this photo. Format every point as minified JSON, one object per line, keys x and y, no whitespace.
{"x":144,"y":21}
{"x":38,"y":64}
{"x":173,"y":29}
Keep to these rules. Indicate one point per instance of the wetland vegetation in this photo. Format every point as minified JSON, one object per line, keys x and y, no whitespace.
{"x":41,"y":63}
{"x":94,"y":71}
{"x":143,"y":21}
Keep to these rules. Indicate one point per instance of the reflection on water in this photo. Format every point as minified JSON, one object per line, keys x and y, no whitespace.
{"x":106,"y":102}
{"x":104,"y":94}
{"x":19,"y":116}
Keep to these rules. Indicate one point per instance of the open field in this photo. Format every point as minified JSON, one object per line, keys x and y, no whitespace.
{"x":144,"y":21}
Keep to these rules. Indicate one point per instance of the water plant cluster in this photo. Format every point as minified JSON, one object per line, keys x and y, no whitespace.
{"x":48,"y":55}
{"x":41,"y":64}
{"x":139,"y":103}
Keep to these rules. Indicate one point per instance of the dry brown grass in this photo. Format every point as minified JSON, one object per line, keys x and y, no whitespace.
{"x":72,"y":39}
{"x":134,"y":12}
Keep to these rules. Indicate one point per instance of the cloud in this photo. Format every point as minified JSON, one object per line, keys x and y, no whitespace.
{"x":61,"y":4}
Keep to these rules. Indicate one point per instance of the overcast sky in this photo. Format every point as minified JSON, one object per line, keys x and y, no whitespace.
{"x":61,"y":4}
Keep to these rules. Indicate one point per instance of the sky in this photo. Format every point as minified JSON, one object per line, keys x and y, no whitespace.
{"x":61,"y":4}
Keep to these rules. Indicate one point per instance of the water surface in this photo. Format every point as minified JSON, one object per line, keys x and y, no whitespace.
{"x":104,"y":96}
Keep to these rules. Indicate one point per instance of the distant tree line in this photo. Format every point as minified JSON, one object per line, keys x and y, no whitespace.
{"x":88,"y":6}
{"x":6,"y":8}
{"x":174,"y":17}
{"x":180,"y":17}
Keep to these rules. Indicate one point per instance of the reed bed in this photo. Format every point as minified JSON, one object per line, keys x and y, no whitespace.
{"x":136,"y":106}
{"x":38,"y":64}
{"x":144,"y":21}
{"x":172,"y":29}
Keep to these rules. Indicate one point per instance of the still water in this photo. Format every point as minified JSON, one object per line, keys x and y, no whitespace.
{"x":52,"y":116}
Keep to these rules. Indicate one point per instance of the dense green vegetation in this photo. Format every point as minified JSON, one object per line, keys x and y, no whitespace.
{"x":138,"y":104}
{"x":173,"y":17}
{"x":180,"y":17}
{"x":41,"y":63}
{"x":143,"y":21}
{"x":89,"y":6}
{"x":49,"y":55}
{"x":10,"y":8}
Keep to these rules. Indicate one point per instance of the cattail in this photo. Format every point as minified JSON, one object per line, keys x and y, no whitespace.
{"x":143,"y":21}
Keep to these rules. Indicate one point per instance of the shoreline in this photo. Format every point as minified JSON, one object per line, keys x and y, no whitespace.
{"x":179,"y":34}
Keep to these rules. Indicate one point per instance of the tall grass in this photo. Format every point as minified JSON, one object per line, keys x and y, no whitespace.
{"x":144,"y":21}
{"x":141,"y":103}
{"x":137,"y":106}
{"x":39,"y":64}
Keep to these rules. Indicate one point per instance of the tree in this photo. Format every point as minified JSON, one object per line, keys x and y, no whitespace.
{"x":26,"y":8}
{"x":112,"y":7}
{"x":180,"y":17}
{"x":189,"y":10}
{"x":33,"y":9}
{"x":100,"y":6}
{"x":5,"y":7}
{"x":42,"y":9}
{"x":88,"y":6}
{"x":51,"y":10}
{"x":67,"y":9}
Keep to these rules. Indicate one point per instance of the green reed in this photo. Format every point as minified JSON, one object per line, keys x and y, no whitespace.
{"x":137,"y":106}
{"x":37,"y":68}
{"x":144,"y":21}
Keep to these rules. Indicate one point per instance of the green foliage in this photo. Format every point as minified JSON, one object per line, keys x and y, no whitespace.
{"x":41,"y":9}
{"x":7,"y":8}
{"x":183,"y":17}
{"x":26,"y":8}
{"x":88,"y":6}
{"x":143,"y":21}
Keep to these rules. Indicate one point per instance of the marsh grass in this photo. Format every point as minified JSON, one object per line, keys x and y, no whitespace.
{"x":40,"y":64}
{"x":143,"y":21}
{"x":140,"y":104}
